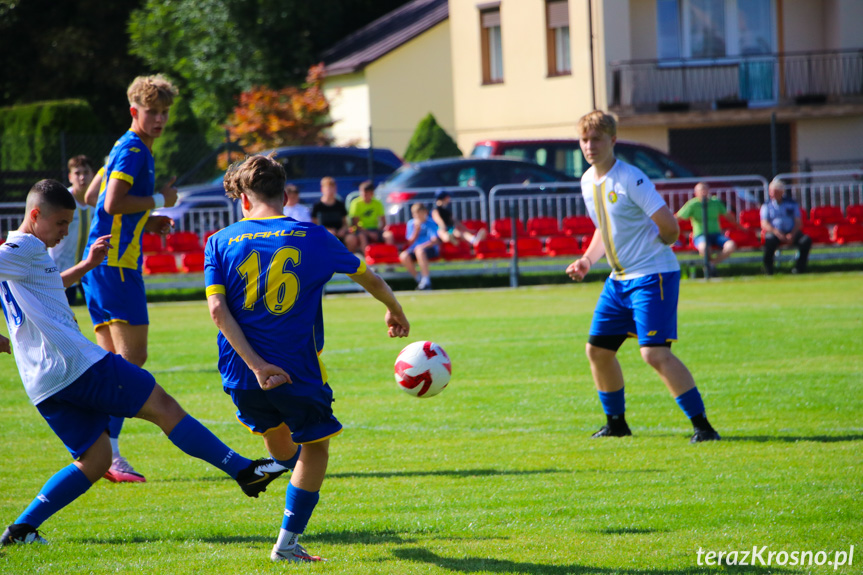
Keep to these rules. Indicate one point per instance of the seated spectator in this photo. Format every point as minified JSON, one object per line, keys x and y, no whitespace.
{"x":293,"y":208}
{"x":330,"y":212}
{"x":780,"y":225}
{"x":705,"y":237}
{"x":422,"y":235}
{"x":450,"y":230}
{"x":367,"y":216}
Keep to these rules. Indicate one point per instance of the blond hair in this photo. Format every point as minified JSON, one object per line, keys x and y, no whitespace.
{"x":328,"y":181}
{"x":150,"y":91}
{"x":260,"y":176}
{"x":597,"y":120}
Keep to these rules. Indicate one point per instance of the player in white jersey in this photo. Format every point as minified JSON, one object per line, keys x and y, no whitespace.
{"x":634,"y":231}
{"x":75,"y":384}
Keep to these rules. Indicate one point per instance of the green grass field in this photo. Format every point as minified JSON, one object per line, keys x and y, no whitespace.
{"x":497,"y":475}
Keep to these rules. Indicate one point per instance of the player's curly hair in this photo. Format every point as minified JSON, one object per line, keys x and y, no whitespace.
{"x":260,"y":176}
{"x":597,"y":120}
{"x":150,"y":91}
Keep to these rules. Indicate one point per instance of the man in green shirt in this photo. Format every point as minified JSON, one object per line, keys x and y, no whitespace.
{"x":712,"y":236}
{"x":367,"y":216}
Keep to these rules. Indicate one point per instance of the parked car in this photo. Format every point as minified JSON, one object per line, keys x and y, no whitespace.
{"x":565,"y":156}
{"x":483,"y":173}
{"x":304,"y":166}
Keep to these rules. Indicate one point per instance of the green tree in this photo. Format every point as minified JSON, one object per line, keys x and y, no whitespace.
{"x":182,"y":145}
{"x":430,"y":141}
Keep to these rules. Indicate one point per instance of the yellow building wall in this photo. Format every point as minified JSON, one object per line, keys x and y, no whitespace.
{"x":830,"y":138}
{"x":348,"y":95}
{"x":528,"y":104}
{"x":408,"y":83}
{"x":802,"y":25}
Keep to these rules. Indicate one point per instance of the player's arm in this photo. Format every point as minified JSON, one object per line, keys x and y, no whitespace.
{"x":118,"y":201}
{"x":268,"y":375}
{"x":669,"y":229}
{"x":95,"y":256}
{"x":91,"y":196}
{"x":594,"y":252}
{"x":397,"y":323}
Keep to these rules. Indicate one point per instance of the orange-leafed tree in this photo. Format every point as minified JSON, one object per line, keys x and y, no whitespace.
{"x":266,"y":118}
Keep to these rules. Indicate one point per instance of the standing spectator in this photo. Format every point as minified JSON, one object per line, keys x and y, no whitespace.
{"x":367,"y":216}
{"x":780,"y":225}
{"x":293,"y":208}
{"x":422,"y":244}
{"x":710,"y":235}
{"x":330,"y":212}
{"x":115,"y":290}
{"x":70,"y":250}
{"x":450,"y":230}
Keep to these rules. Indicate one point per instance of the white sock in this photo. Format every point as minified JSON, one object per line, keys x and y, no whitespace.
{"x":115,"y":447}
{"x":287,"y":540}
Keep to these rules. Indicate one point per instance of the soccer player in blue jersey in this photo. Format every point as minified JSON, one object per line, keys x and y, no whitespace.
{"x":115,"y":290}
{"x":75,"y":384}
{"x":634,"y":231}
{"x":265,"y":277}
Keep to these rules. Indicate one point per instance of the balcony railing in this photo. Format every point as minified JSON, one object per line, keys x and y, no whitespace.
{"x":738,"y":82}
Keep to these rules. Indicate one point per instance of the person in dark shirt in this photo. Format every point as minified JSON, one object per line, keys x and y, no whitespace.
{"x":330,"y":212}
{"x":451,"y":230}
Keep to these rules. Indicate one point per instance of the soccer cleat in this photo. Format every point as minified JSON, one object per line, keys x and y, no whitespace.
{"x":21,"y":534}
{"x":297,"y":554}
{"x":424,"y":284}
{"x":255,"y":478}
{"x":609,"y":431}
{"x":704,"y":435}
{"x":121,"y":471}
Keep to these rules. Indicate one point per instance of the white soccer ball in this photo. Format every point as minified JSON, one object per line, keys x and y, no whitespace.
{"x":423,"y":369}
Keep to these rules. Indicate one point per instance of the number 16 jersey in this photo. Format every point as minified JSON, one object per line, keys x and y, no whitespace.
{"x":272,"y":272}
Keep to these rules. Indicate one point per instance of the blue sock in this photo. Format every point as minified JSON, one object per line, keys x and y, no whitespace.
{"x":299,"y":505}
{"x":289,"y":463}
{"x":114,"y":426}
{"x":613,"y":402}
{"x":62,"y":489}
{"x":198,"y":441}
{"x":690,"y":402}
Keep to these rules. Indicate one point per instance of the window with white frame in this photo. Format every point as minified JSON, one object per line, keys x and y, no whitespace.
{"x":557,"y":34}
{"x":492,"y":48}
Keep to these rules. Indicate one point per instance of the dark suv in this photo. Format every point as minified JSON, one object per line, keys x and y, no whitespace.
{"x":565,"y":156}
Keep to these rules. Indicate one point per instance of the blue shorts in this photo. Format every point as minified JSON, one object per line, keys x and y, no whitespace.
{"x":309,"y":417}
{"x":79,"y":413}
{"x":432,"y":251}
{"x":713,"y":240}
{"x":115,"y":294}
{"x":644,"y":307}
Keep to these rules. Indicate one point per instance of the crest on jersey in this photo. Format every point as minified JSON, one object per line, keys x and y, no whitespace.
{"x":612,"y":196}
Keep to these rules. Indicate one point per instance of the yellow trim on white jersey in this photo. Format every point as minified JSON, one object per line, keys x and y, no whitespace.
{"x":605,"y":228}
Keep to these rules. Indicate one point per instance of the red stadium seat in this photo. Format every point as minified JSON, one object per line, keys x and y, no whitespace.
{"x":459,"y":251}
{"x":528,"y":248}
{"x":377,"y":254}
{"x":192,"y":262}
{"x":490,"y":249}
{"x":473,"y":226}
{"x":751,"y":219}
{"x":847,"y":234}
{"x":827,"y":216}
{"x":398,"y":231}
{"x":743,"y":238}
{"x":152,"y":244}
{"x":207,"y":236}
{"x":685,"y":225}
{"x":562,"y":246}
{"x":726,"y":222}
{"x":818,"y":233}
{"x":502,"y":229}
{"x":183,"y":242}
{"x":804,"y":217}
{"x":578,"y":226}
{"x":160,"y":264}
{"x":683,"y":243}
{"x":542,"y":226}
{"x":855,"y":213}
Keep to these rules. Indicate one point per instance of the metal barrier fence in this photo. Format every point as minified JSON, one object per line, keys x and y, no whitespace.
{"x":467,"y":203}
{"x":841,"y":188}
{"x":214,"y":215}
{"x":11,"y":216}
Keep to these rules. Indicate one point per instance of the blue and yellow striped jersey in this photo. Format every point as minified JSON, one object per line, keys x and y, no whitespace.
{"x":272,"y":272}
{"x":131,"y":161}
